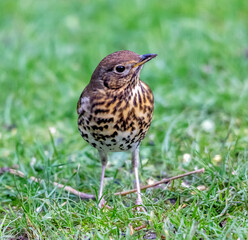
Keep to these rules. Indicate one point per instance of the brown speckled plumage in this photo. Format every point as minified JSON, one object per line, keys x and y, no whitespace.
{"x":115,"y":110}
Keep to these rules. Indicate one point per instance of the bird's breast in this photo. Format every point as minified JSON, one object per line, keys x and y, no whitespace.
{"x":116,"y":121}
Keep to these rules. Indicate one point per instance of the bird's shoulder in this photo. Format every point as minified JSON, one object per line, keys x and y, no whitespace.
{"x":88,"y":96}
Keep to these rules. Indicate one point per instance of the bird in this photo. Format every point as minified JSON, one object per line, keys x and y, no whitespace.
{"x":115,"y":110}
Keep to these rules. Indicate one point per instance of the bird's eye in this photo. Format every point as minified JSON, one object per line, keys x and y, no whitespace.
{"x":120,"y":69}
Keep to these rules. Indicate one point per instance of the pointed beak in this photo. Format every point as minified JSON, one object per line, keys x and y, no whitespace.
{"x":144,"y":58}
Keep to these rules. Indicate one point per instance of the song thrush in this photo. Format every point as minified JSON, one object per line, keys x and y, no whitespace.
{"x":115,"y":109}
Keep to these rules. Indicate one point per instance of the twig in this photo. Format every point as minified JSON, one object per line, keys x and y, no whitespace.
{"x":58,"y":185}
{"x":140,"y":227}
{"x":89,"y":196}
{"x":165,"y":180}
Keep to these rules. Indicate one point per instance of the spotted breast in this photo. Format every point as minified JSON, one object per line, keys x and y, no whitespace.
{"x":116,"y":120}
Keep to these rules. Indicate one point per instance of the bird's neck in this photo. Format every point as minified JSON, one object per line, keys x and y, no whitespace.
{"x":129,"y":88}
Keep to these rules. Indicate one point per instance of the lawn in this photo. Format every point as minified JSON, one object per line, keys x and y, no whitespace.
{"x":49,"y":50}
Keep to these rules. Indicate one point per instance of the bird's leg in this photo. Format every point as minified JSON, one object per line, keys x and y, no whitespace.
{"x":135,"y":163}
{"x":104,"y":160}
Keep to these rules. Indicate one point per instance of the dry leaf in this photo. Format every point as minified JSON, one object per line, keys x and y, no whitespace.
{"x":131,"y":229}
{"x":201,"y":187}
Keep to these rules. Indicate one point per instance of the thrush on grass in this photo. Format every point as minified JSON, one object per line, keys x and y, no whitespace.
{"x":115,"y":109}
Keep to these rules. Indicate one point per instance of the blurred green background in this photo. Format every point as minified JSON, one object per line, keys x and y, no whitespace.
{"x":49,"y":50}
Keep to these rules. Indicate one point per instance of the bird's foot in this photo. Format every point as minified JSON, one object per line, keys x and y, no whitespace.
{"x":140,"y":207}
{"x":103,"y":204}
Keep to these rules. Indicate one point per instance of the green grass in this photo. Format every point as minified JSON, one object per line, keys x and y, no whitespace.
{"x":49,"y":50}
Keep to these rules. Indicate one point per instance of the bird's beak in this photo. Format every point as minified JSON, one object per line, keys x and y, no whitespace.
{"x":144,"y":58}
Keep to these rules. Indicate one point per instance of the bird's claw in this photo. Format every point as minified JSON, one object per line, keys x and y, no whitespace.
{"x":103,"y":204}
{"x":139,"y":206}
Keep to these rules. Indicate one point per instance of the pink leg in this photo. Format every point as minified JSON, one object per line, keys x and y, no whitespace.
{"x":103,"y":157}
{"x":135,"y":162}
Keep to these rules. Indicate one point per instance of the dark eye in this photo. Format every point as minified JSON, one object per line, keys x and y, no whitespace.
{"x":120,"y":69}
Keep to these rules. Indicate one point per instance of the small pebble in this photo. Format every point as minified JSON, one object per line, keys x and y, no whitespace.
{"x":217,"y":159}
{"x":201,"y":188}
{"x":150,"y":181}
{"x":185,"y":185}
{"x":208,"y":125}
{"x":186,"y":158}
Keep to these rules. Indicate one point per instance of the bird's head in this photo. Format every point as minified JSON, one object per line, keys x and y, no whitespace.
{"x":119,"y":69}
